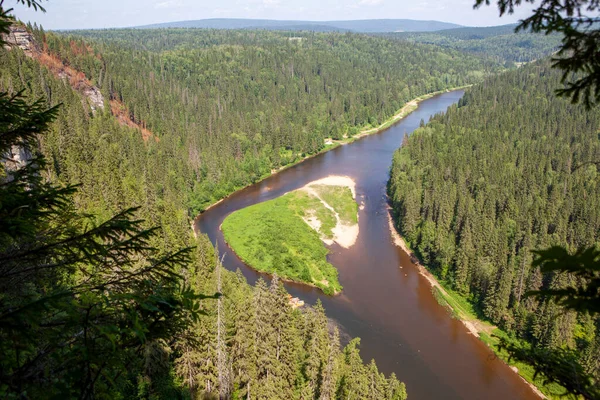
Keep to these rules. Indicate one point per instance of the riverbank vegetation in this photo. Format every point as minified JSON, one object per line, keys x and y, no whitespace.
{"x":509,"y":170}
{"x":231,"y":106}
{"x":100,"y":302}
{"x":285,"y":236}
{"x":188,"y":117}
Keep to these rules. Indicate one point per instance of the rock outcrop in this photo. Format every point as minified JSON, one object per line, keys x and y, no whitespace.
{"x":20,"y":37}
{"x":16,"y":158}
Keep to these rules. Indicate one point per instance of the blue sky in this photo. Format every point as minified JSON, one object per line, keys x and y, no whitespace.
{"x":70,"y":14}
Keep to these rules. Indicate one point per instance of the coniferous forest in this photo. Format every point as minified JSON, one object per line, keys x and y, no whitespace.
{"x":102,"y":325}
{"x":105,"y":292}
{"x":510,"y":170}
{"x":186,"y":119}
{"x":498,"y":43}
{"x":230,"y":106}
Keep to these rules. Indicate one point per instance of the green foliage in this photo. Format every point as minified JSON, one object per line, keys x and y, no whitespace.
{"x":274,"y":351}
{"x":272,"y":237}
{"x":79,"y":301}
{"x":577,"y":23}
{"x":498,"y":43}
{"x":341,"y":200}
{"x":230,"y":106}
{"x":526,"y":369}
{"x":93,"y":300}
{"x":507,"y":172}
{"x":584,"y":266}
{"x":553,"y":366}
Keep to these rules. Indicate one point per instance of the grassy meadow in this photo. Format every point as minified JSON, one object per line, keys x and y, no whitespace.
{"x":276,"y":237}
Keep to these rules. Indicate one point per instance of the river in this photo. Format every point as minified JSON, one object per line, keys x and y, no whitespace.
{"x":385,"y":301}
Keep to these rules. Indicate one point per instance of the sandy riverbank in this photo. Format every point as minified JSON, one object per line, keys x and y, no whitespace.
{"x":344,"y":234}
{"x":403,"y":112}
{"x":474,"y":327}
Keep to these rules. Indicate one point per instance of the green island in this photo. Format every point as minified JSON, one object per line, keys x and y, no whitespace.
{"x":287,"y":235}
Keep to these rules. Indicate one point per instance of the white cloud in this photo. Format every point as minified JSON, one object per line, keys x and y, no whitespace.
{"x":370,"y":2}
{"x":168,"y":4}
{"x":271,"y":2}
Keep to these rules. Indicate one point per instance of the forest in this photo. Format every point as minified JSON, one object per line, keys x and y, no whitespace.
{"x":498,"y":43}
{"x":509,"y":170}
{"x":123,"y":300}
{"x":122,"y":181}
{"x":231,"y":106}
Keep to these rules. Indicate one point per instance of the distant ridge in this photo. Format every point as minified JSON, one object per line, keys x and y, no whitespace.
{"x":365,"y":25}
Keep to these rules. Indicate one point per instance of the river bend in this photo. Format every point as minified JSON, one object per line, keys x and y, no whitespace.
{"x":385,"y":301}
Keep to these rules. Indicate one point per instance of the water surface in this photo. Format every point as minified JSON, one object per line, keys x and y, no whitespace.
{"x":385,"y":301}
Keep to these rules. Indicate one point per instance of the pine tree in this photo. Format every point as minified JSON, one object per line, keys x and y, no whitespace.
{"x":354,"y":384}
{"x":243,"y":345}
{"x":79,"y":298}
{"x":395,"y":390}
{"x":223,"y":366}
{"x":331,"y":370}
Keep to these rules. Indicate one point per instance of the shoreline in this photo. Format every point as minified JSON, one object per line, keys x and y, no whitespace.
{"x":271,"y":275}
{"x":399,"y":242}
{"x":345,"y":236}
{"x":406,"y":110}
{"x":474,"y":326}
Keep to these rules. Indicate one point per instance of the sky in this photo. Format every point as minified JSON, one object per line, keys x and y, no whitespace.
{"x":73,"y":14}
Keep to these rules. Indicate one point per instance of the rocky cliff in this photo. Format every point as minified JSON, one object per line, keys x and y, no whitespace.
{"x":20,"y":37}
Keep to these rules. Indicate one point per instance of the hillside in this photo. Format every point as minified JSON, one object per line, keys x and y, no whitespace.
{"x":509,"y":171}
{"x":108,"y":303}
{"x":499,"y":43}
{"x":231,"y":106}
{"x":367,"y":25}
{"x":223,"y":109}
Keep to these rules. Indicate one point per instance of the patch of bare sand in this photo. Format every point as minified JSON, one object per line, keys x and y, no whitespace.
{"x":343,"y":234}
{"x":315,"y":223}
{"x":336,"y":180}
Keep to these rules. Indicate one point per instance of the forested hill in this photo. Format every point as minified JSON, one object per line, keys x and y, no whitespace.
{"x":187,"y":117}
{"x":500,"y":43}
{"x":366,"y":25}
{"x":506,"y":172}
{"x":230,"y":106}
{"x":76,"y":322}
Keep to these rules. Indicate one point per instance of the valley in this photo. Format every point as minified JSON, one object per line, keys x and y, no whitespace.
{"x":378,"y":209}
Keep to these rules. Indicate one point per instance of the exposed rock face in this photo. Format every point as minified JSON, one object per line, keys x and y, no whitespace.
{"x":95,"y":98}
{"x":16,"y":159}
{"x":21,"y":38}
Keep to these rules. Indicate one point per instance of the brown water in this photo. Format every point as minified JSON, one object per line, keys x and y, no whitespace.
{"x":385,"y":301}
